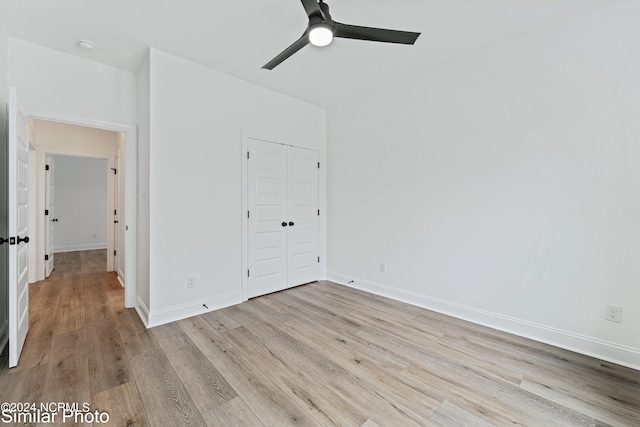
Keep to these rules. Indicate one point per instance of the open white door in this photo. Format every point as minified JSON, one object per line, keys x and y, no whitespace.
{"x":50,"y":219}
{"x":18,"y":166}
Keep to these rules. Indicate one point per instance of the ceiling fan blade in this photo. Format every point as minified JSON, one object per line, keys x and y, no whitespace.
{"x":374,"y":34}
{"x":296,"y":46}
{"x":311,"y":7}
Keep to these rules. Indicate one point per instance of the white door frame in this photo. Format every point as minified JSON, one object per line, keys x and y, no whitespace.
{"x":49,"y":226}
{"x":130,"y":191}
{"x":117,"y":203}
{"x":246,"y":135}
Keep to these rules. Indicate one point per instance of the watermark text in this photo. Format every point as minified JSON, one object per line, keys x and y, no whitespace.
{"x":50,"y":413}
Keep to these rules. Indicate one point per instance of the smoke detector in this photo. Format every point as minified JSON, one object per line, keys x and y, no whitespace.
{"x":86,"y":45}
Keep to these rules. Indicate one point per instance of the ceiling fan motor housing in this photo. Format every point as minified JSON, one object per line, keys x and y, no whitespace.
{"x":322,"y":29}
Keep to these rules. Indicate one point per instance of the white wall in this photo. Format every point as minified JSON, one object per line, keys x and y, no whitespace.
{"x":50,"y":82}
{"x":71,"y":140}
{"x":196,"y":121}
{"x":502,"y":187}
{"x":4,"y":55}
{"x":80,"y":203}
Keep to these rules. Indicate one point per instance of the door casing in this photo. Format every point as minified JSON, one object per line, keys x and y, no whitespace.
{"x":49,"y":225}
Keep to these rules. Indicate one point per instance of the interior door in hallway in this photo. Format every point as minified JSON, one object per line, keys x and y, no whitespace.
{"x":18,"y":167}
{"x":50,"y":219}
{"x":282,"y":217}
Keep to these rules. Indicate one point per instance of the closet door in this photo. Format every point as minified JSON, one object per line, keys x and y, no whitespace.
{"x":302,"y":213}
{"x":267,"y":202}
{"x":282,"y":218}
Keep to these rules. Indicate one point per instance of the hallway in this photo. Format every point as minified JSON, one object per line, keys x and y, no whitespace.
{"x":80,"y":341}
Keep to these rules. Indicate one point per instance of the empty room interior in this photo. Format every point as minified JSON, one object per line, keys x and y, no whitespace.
{"x":431,"y":216}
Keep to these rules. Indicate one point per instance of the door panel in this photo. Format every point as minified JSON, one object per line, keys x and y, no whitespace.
{"x":302,"y":207}
{"x":18,"y":166}
{"x":267,"y":207}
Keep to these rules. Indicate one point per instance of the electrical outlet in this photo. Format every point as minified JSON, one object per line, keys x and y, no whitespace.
{"x":613,"y":313}
{"x":383,"y":267}
{"x":191,"y":281}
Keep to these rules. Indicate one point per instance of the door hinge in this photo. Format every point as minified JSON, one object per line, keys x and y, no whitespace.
{"x":248,"y":214}
{"x":318,"y":165}
{"x":318,"y":212}
{"x":114,"y":253}
{"x":247,"y":155}
{"x":46,"y":257}
{"x":115,"y":212}
{"x":248,"y":273}
{"x":46,"y":167}
{"x":115,"y":171}
{"x":318,"y":259}
{"x":46,"y":211}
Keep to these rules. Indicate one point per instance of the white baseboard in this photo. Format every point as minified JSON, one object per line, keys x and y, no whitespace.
{"x":76,"y":248}
{"x":590,"y":346}
{"x":121,"y":277}
{"x":120,"y":280}
{"x":172,"y":314}
{"x":143,"y":312}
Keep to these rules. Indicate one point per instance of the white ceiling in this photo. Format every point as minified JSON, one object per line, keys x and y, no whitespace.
{"x":239,"y":37}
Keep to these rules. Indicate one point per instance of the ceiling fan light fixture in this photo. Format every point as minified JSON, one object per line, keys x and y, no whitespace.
{"x":321,"y":30}
{"x":320,"y":34}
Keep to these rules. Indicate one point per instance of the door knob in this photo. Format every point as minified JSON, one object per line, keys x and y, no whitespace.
{"x":55,"y":220}
{"x":291,"y":224}
{"x":284,"y":224}
{"x":23,"y":239}
{"x":3,"y":240}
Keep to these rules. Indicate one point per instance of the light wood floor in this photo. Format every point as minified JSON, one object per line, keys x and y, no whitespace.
{"x":319,"y":354}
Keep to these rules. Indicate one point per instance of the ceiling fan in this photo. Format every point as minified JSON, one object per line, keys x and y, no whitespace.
{"x":322,"y":29}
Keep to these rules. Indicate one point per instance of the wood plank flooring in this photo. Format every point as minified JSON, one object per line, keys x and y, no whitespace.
{"x":319,"y":355}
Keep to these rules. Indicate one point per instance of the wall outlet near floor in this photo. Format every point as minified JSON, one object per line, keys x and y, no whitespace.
{"x":383,"y":267}
{"x":191,"y":281}
{"x":613,"y":313}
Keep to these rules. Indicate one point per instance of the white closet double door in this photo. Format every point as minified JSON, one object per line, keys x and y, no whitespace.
{"x":283,"y":217}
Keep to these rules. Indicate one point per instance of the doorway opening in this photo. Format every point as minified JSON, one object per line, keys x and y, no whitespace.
{"x":71,"y":140}
{"x":80,"y":198}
